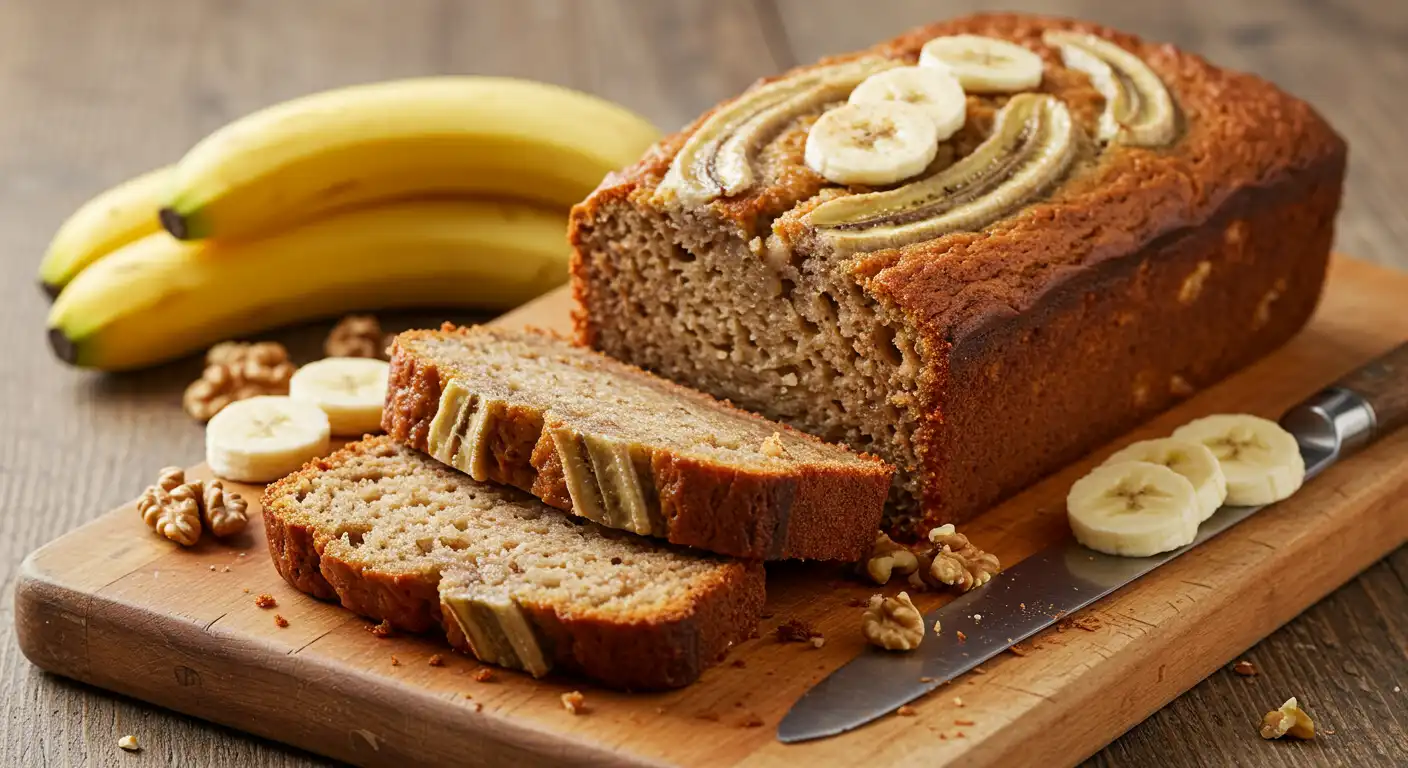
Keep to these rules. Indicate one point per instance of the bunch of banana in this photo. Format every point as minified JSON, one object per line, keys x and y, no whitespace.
{"x":449,"y":191}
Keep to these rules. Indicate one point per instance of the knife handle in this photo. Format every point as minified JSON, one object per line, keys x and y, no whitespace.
{"x":1383,"y":384}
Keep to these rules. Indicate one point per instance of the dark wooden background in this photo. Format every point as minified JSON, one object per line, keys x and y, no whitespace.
{"x":94,"y":92}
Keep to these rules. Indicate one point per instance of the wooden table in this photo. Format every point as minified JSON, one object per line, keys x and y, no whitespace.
{"x":92,"y":93}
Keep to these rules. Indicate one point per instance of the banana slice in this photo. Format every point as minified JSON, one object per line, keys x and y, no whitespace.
{"x":984,"y":64}
{"x":1139,"y":110}
{"x":1191,"y":459}
{"x":264,"y":438}
{"x":1261,"y":460}
{"x":874,"y":144}
{"x":935,"y":91}
{"x":350,"y":390}
{"x":1133,"y":509}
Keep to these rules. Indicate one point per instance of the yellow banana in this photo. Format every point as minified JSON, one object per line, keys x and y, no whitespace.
{"x":107,"y":222}
{"x":386,"y":141}
{"x":160,"y":298}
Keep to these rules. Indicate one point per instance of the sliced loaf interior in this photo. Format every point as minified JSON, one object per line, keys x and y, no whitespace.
{"x":396,"y":536}
{"x":628,"y":449}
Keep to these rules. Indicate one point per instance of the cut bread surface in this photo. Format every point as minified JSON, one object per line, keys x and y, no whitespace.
{"x":627,"y":449}
{"x":396,"y":536}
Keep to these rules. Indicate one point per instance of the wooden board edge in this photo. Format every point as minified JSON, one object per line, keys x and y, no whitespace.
{"x":341,"y":723}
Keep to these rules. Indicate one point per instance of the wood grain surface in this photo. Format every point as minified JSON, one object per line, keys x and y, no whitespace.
{"x":93,"y":93}
{"x":112,"y":605}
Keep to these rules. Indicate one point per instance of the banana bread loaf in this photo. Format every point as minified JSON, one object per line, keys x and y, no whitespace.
{"x":626,"y":449}
{"x":1136,"y":226}
{"x":399,"y":537}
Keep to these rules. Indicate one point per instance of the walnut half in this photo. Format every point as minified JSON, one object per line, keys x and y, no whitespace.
{"x":893,"y":623}
{"x":955,"y":562}
{"x":224,"y":513}
{"x":237,"y":371}
{"x":888,"y":558}
{"x":172,"y":507}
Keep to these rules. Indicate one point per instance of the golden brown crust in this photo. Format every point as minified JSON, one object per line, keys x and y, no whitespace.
{"x":667,"y":650}
{"x":823,"y":512}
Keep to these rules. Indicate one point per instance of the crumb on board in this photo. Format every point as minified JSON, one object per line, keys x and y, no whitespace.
{"x":926,"y":679}
{"x":382,"y":630}
{"x":395,"y":662}
{"x":1017,"y":649}
{"x":961,"y":637}
{"x":964,"y":721}
{"x":817,"y":641}
{"x":979,"y":671}
{"x":265,"y":600}
{"x":280,"y":621}
{"x":574,"y":702}
{"x":129,"y":743}
{"x":906,"y":711}
{"x":752,"y":721}
{"x":957,"y":701}
{"x":795,"y":631}
{"x":212,"y":568}
{"x":436,"y":660}
{"x":484,"y":675}
{"x":226,"y":569}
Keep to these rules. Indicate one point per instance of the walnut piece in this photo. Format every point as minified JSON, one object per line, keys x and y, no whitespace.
{"x":1289,"y":720}
{"x":224,"y":512}
{"x":172,"y":507}
{"x":574,"y":702}
{"x":955,"y":562}
{"x":237,"y":371}
{"x":893,"y":623}
{"x":357,"y":336}
{"x":887,"y":559}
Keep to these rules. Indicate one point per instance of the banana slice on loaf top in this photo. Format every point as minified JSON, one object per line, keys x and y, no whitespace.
{"x":629,"y":450}
{"x":398,"y":537}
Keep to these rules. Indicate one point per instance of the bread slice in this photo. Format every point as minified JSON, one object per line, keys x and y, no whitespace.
{"x":399,"y":537}
{"x":627,"y":449}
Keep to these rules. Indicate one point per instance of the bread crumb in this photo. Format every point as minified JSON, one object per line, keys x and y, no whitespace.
{"x":1017,"y":649}
{"x":484,"y":675}
{"x":265,"y":600}
{"x":212,"y":568}
{"x":280,"y":621}
{"x":795,"y":631}
{"x":926,"y":679}
{"x":957,"y":701}
{"x":906,"y":711}
{"x":395,"y":662}
{"x":817,"y":641}
{"x":574,"y":702}
{"x":1245,"y":668}
{"x":961,"y":721}
{"x":979,"y":671}
{"x":478,"y":707}
{"x":226,"y":569}
{"x":752,"y":721}
{"x":129,"y":743}
{"x":246,"y":590}
{"x":436,"y":661}
{"x":242,"y":554}
{"x":961,"y":637}
{"x":382,"y":630}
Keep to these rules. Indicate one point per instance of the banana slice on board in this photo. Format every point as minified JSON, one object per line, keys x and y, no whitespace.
{"x":1261,"y":460}
{"x":1189,"y":458}
{"x":935,"y":91}
{"x":264,"y":438}
{"x":984,"y":64}
{"x":350,"y":390}
{"x":879,"y":143}
{"x":1133,"y":509}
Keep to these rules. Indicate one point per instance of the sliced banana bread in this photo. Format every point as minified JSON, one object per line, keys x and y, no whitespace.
{"x":627,"y":449}
{"x":397,"y":536}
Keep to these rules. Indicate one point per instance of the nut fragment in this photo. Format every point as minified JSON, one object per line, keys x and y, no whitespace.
{"x":356,"y":336}
{"x":1289,"y":720}
{"x":172,"y":507}
{"x":893,"y":623}
{"x":888,"y":558}
{"x":129,"y":743}
{"x":574,"y":702}
{"x":237,"y":371}
{"x":224,"y":512}
{"x":953,"y":561}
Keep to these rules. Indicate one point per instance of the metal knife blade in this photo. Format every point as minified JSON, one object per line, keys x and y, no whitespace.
{"x":1037,"y":592}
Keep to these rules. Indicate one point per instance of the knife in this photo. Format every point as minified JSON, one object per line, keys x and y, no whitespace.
{"x":1032,"y":595}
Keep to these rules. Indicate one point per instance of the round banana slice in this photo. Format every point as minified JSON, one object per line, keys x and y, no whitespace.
{"x":935,"y":91}
{"x":1133,"y":509}
{"x":984,"y":64}
{"x":264,"y":438}
{"x":1261,"y":460}
{"x":350,"y":390}
{"x":1191,"y":459}
{"x":879,"y":143}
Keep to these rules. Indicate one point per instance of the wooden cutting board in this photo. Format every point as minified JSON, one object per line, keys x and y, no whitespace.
{"x":112,"y":605}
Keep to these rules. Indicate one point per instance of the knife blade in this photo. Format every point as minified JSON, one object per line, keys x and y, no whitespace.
{"x":1058,"y":581}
